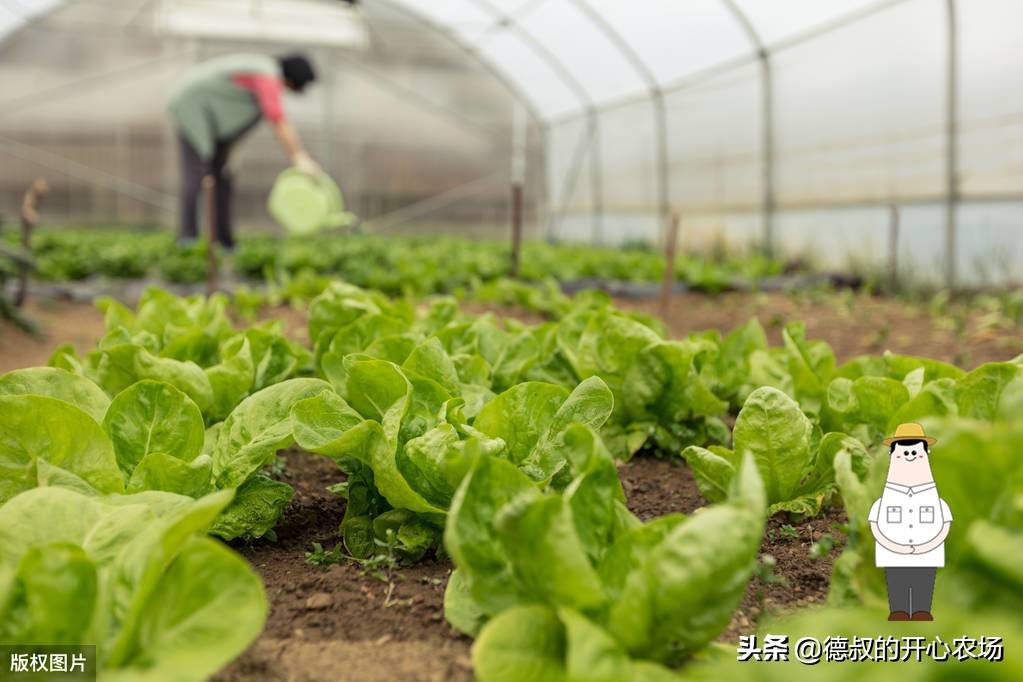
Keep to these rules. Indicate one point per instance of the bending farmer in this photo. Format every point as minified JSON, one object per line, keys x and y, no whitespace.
{"x":217,"y":103}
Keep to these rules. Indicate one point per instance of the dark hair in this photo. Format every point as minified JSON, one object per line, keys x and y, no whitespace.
{"x":297,"y":70}
{"x":909,"y":441}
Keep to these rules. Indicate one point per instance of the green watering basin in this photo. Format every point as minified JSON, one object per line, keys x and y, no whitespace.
{"x":304,"y":204}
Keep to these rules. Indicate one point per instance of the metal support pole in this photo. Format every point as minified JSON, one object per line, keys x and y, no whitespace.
{"x":767,"y":161}
{"x":951,"y":146}
{"x":657,"y":97}
{"x":767,"y":113}
{"x":596,"y":181}
{"x":466,"y":46}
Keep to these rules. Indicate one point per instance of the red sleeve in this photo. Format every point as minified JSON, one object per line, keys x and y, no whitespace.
{"x":267,"y":90}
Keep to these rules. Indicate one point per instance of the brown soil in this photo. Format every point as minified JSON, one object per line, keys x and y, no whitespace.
{"x":59,"y":322}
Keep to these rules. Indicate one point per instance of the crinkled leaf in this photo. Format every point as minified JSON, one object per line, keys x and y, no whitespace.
{"x":37,"y":427}
{"x":153,"y":417}
{"x":59,"y":384}
{"x":119,"y":366}
{"x":160,"y":471}
{"x":256,"y":508}
{"x":258,"y":428}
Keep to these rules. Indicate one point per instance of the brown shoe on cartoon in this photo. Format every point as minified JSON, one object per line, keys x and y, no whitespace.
{"x":899,"y":615}
{"x":921,"y":615}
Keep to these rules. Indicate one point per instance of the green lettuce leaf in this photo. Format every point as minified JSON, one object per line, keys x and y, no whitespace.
{"x":59,"y":384}
{"x":153,"y":417}
{"x":37,"y":428}
{"x":258,"y":428}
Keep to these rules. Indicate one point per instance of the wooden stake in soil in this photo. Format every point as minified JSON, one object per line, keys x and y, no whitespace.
{"x":668,"y":283}
{"x":893,"y":250}
{"x":209,"y":186}
{"x":29,"y":217}
{"x":516,"y":217}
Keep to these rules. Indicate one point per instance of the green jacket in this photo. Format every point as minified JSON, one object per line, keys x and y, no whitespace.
{"x":208,"y":106}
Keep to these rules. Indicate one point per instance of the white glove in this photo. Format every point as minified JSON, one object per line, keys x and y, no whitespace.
{"x":303,"y":162}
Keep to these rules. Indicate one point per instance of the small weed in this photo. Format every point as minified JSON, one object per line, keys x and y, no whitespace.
{"x":880,"y":336}
{"x":324,"y":557}
{"x":822,"y":547}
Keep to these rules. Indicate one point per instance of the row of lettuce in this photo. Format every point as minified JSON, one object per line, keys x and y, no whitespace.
{"x":393,"y":264}
{"x":491,"y":440}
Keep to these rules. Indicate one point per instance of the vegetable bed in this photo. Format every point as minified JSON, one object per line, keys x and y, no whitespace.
{"x":395,"y":265}
{"x":462,"y":426}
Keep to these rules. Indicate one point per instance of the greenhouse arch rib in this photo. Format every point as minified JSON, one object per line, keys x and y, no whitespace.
{"x":767,"y":120}
{"x":656,"y":94}
{"x":542,"y":52}
{"x":451,"y":36}
{"x":510,"y":85}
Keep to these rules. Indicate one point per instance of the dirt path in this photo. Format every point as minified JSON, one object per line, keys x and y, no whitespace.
{"x":59,"y":322}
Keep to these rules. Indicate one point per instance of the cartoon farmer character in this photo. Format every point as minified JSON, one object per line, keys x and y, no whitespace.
{"x":910,"y":523}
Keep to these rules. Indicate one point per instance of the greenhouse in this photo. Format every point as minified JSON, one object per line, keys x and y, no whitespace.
{"x":511,"y":340}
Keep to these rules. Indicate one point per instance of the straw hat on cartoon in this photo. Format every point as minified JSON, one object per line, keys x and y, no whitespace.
{"x":910,"y":431}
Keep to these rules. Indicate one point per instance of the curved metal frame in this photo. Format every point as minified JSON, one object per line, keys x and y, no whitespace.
{"x":655,"y":92}
{"x":767,"y":121}
{"x":657,"y":97}
{"x":471,"y":50}
{"x":503,"y":20}
{"x":951,"y":143}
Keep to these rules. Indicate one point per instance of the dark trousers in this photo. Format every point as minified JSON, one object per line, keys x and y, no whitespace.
{"x":193,"y":170}
{"x":910,"y":589}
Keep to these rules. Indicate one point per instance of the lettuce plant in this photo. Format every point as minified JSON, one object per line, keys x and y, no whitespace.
{"x":62,"y":430}
{"x":132,"y":574}
{"x":191,"y":344}
{"x":405,"y":437}
{"x":795,"y":461}
{"x":659,"y":391}
{"x":870,"y":406}
{"x":569,"y":584}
